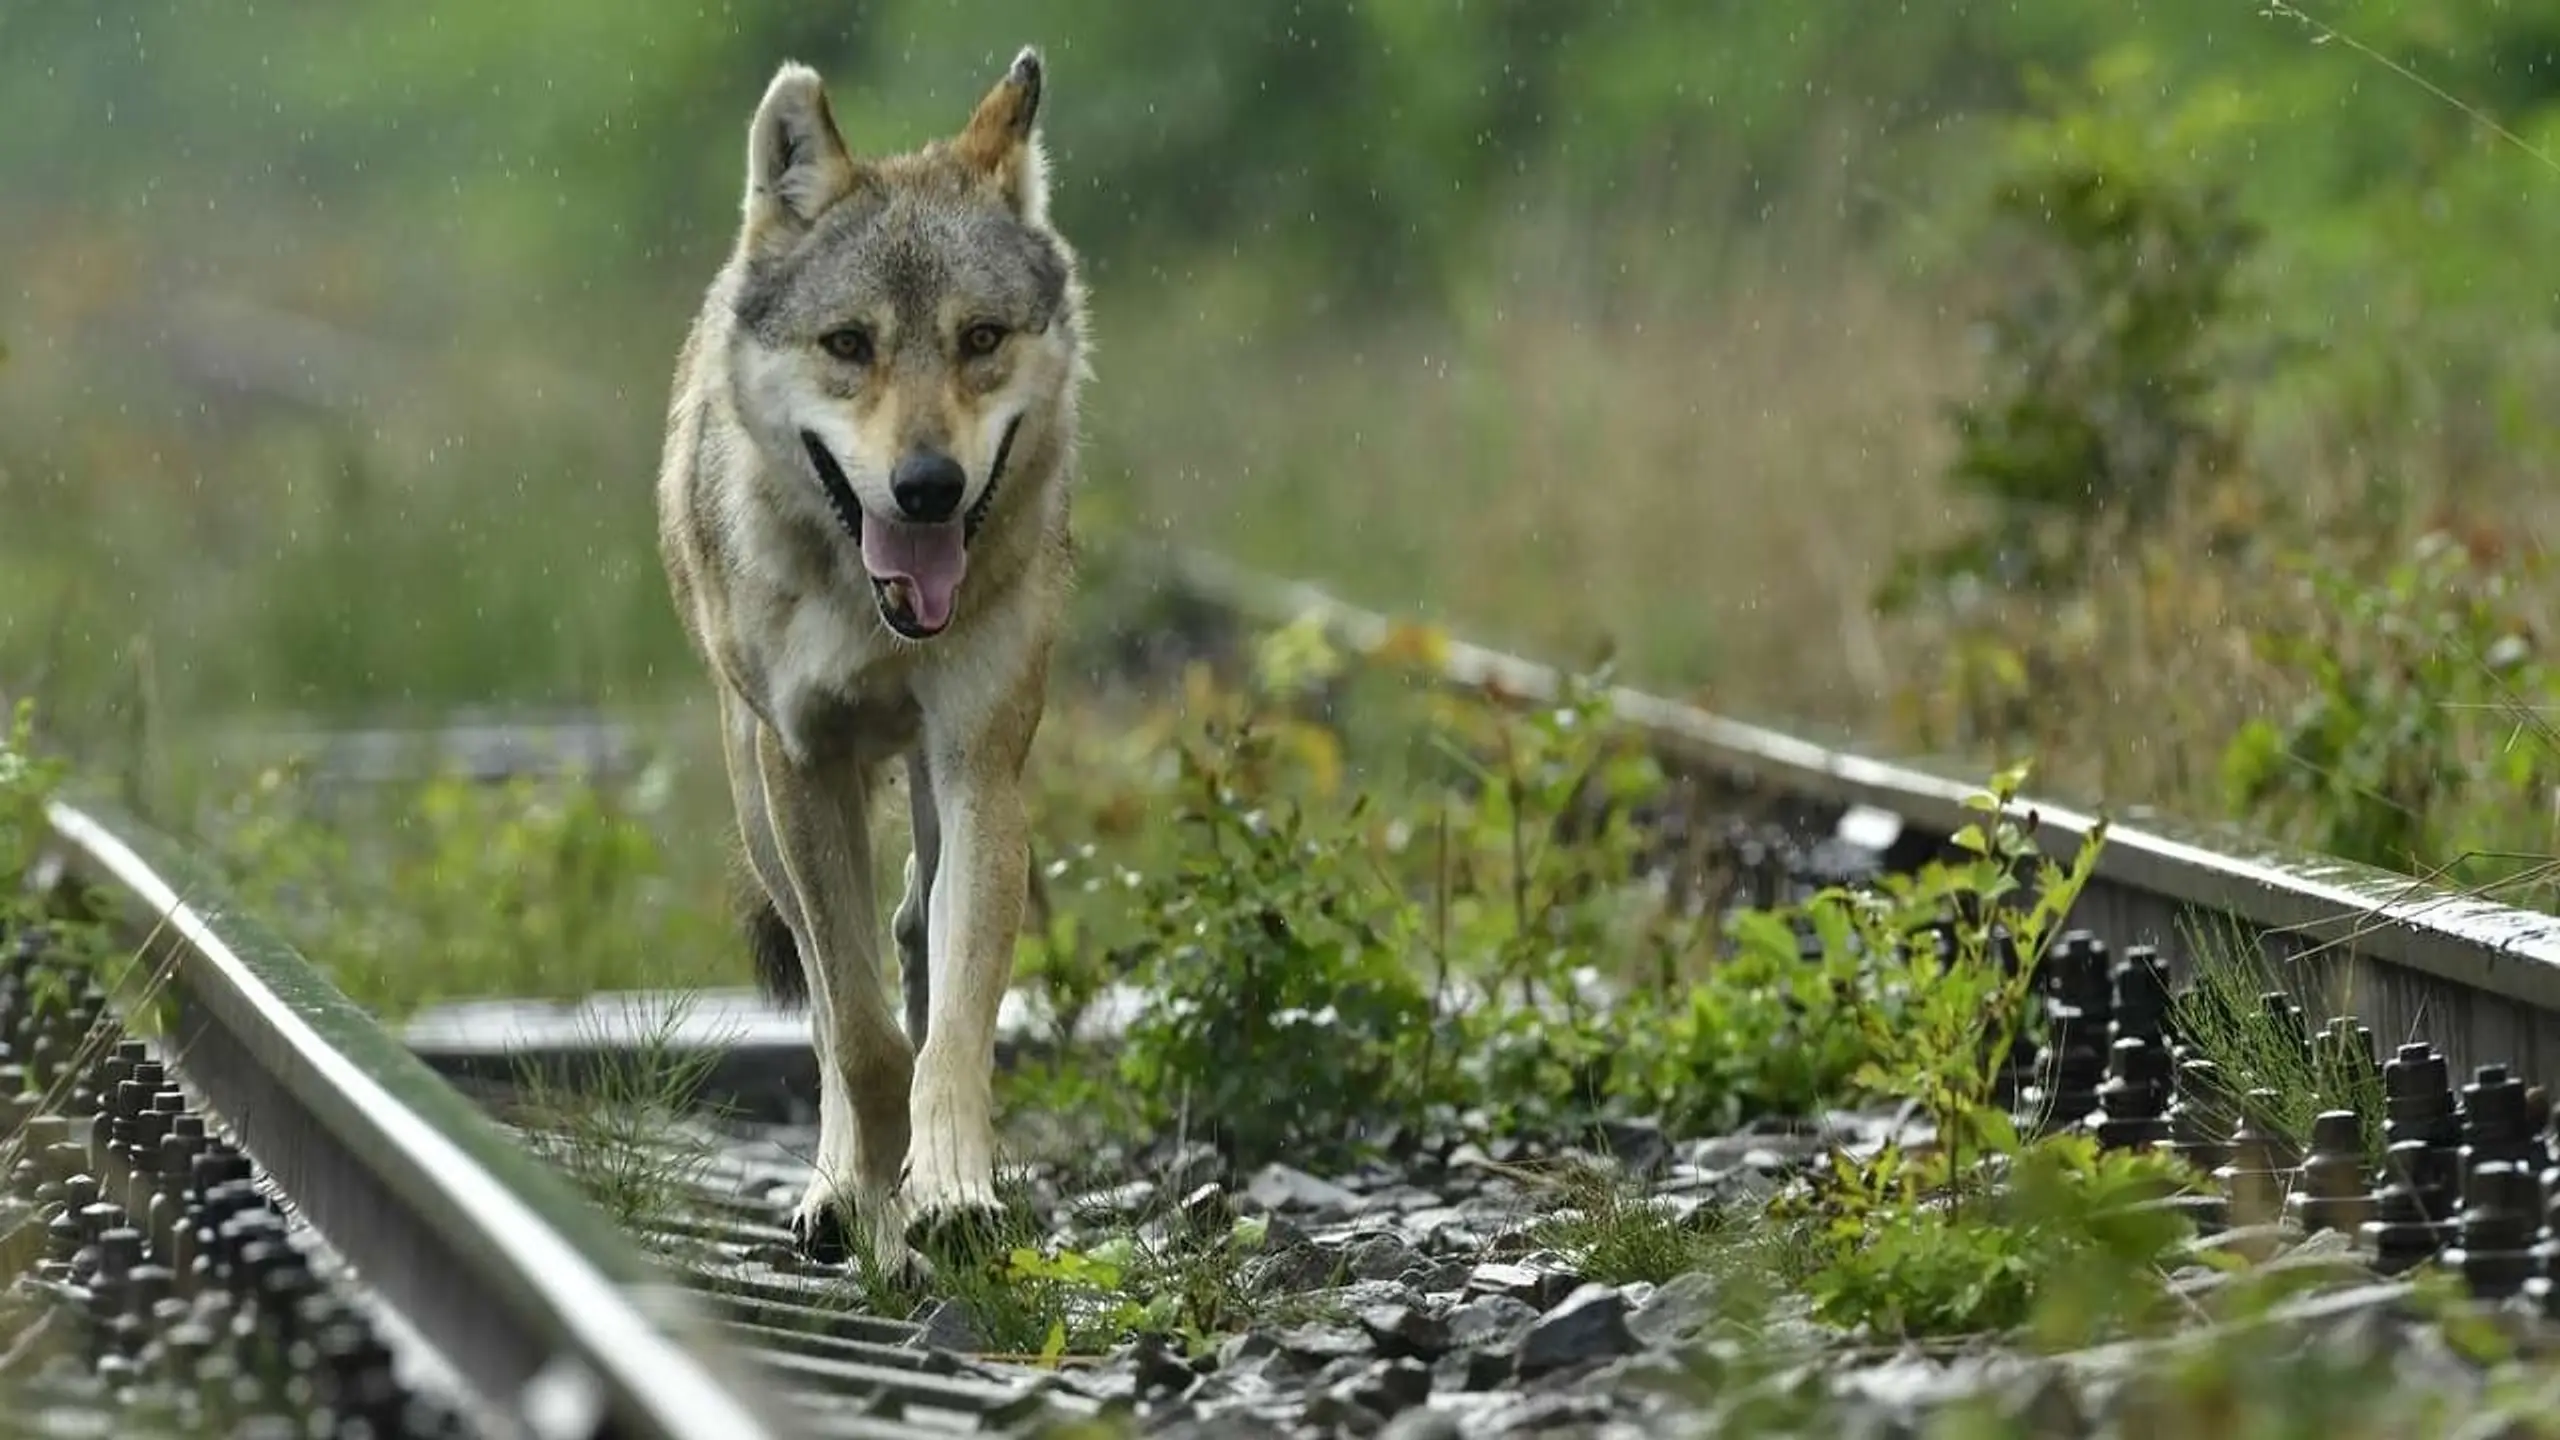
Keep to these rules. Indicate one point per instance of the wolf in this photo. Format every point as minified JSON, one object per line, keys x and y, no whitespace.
{"x":863,"y":516}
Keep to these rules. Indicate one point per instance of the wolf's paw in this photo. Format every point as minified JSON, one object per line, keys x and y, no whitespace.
{"x":833,"y":1227}
{"x":957,"y":1232}
{"x":952,"y":1210}
{"x":821,"y":1229}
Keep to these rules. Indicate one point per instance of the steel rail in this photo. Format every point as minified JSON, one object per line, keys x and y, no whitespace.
{"x":2482,"y":978}
{"x":526,"y":1291}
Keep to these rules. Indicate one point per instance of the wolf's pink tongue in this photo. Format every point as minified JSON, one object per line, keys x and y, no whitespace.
{"x":930,"y":558}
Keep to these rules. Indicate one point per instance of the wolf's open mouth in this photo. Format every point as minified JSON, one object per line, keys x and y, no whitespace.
{"x":915,"y":569}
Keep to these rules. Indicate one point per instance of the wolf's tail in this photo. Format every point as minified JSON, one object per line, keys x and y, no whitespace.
{"x":769,"y":943}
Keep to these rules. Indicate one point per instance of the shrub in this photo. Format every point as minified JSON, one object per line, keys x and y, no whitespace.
{"x":2421,"y":733}
{"x":550,"y":886}
{"x":2120,"y":260}
{"x":1285,"y":1016}
{"x":27,"y":782}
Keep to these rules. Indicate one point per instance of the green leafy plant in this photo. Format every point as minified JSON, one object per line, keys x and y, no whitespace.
{"x":1768,"y":1030}
{"x":1192,"y":1289}
{"x":1970,"y":1232}
{"x":1026,"y":1296}
{"x":1535,"y":895}
{"x":1291,"y":1020}
{"x":550,"y":886}
{"x":1915,"y":987}
{"x":1545,"y":845}
{"x":2069,"y":1245}
{"x":1969,"y":939}
{"x":28,"y":780}
{"x":2120,"y":260}
{"x":2422,"y":733}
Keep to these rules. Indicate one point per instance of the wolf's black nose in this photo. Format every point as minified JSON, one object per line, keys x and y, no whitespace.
{"x":927,"y":486}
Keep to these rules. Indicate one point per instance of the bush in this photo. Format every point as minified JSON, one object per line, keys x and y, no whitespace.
{"x":2120,"y":260}
{"x":1303,"y":965}
{"x":2421,"y":735}
{"x":1909,"y":1247}
{"x":546,"y":887}
{"x":1285,"y":1017}
{"x":1770,"y":1031}
{"x":27,"y":783}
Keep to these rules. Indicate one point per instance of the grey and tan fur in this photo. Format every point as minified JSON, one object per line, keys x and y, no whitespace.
{"x":863,"y":515}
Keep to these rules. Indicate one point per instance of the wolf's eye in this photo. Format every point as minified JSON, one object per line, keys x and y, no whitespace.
{"x":851,"y":344}
{"x":981,"y":339}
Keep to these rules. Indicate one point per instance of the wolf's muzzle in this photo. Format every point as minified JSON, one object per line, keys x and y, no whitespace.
{"x":848,"y":507}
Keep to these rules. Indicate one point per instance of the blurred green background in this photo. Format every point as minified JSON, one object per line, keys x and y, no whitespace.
{"x":338,"y":337}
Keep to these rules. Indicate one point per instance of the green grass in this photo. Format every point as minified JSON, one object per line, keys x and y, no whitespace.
{"x":549,"y":887}
{"x":2224,"y":1013}
{"x":1619,"y":1234}
{"x":629,"y":1131}
{"x":1029,"y":1300}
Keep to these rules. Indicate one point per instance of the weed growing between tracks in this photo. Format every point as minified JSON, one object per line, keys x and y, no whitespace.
{"x":2259,"y":1053}
{"x":1477,"y":872}
{"x":1186,"y":1278}
{"x":1480,"y":945}
{"x":629,"y":1130}
{"x":1621,"y":1234}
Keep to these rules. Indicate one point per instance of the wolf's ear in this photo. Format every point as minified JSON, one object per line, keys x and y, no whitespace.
{"x":999,"y":142}
{"x":797,"y":165}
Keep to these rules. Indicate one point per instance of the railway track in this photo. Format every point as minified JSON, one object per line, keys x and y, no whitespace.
{"x":319,"y":1146}
{"x":438,"y":1278}
{"x":238,"y":1206}
{"x":2478,"y":979}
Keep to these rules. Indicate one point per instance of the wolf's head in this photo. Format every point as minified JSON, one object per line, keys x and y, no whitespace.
{"x":907,"y":335}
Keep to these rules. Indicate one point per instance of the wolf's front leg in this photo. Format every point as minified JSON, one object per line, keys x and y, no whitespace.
{"x":975,"y":907}
{"x":821,"y":827}
{"x":907,"y":926}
